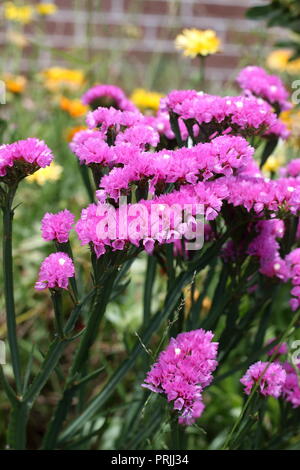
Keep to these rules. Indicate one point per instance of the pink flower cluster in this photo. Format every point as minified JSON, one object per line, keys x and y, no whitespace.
{"x":291,"y":388}
{"x":246,"y":115}
{"x":279,"y":379}
{"x":105,"y":118}
{"x":293,"y":264}
{"x":107,"y":95}
{"x":57,"y":226}
{"x":256,"y":81}
{"x":259,"y":194}
{"x":55,"y":272}
{"x":272,"y":377}
{"x":293,"y":168}
{"x":183,"y":370}
{"x":23,"y":157}
{"x":279,"y":349}
{"x":266,"y":247}
{"x":223,"y":155}
{"x":105,"y":226}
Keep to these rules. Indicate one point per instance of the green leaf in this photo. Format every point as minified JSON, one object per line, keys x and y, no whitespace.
{"x":263,"y":11}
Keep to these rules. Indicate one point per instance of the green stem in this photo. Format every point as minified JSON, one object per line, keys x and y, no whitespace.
{"x":148,"y":289}
{"x":174,"y":121}
{"x":8,"y":214}
{"x":57,"y":305}
{"x":202,"y":77}
{"x":176,"y":443}
{"x":101,"y":299}
{"x":17,"y":426}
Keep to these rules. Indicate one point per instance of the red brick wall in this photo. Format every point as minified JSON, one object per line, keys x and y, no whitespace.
{"x":113,"y":25}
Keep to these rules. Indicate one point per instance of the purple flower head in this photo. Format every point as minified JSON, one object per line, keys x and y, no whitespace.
{"x":245,"y":115}
{"x":281,"y":348}
{"x":57,"y":226}
{"x":22,"y":158}
{"x":291,"y":387}
{"x":107,"y":96}
{"x":293,"y":167}
{"x":182,"y":370}
{"x":293,"y":263}
{"x":106,"y":118}
{"x":256,"y":81}
{"x":271,"y":375}
{"x":55,"y":271}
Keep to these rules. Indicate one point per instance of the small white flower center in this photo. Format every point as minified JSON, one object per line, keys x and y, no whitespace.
{"x":61,"y":261}
{"x":177,"y":351}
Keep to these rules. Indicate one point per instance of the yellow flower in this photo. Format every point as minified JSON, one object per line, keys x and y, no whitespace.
{"x":195,"y":42}
{"x":291,"y":119}
{"x":72,"y":131}
{"x":56,"y":78}
{"x":50,"y":173}
{"x":15,"y":83}
{"x":74,"y":107}
{"x":20,"y":14}
{"x":273,"y":163}
{"x":145,"y":99}
{"x":16,"y":38}
{"x":279,"y":60}
{"x":46,"y":8}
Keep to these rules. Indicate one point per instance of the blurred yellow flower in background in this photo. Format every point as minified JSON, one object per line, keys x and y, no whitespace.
{"x":274,"y":162}
{"x":291,"y":118}
{"x":20,"y":14}
{"x":74,"y":107}
{"x":145,"y":99}
{"x":17,"y":38}
{"x":279,"y":60}
{"x":50,"y":173}
{"x":195,"y":42}
{"x":46,"y":8}
{"x":15,"y":83}
{"x":72,"y":131}
{"x":56,"y":78}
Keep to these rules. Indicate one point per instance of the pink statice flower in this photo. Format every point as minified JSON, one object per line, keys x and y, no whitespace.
{"x":266,"y":247}
{"x":291,"y":387}
{"x":293,"y":167}
{"x":139,"y":135}
{"x":223,"y":155}
{"x":161,"y":124}
{"x":271,"y":375}
{"x":55,"y":272}
{"x":255,"y":80}
{"x":106,"y":96}
{"x":22,"y":158}
{"x":245,"y":115}
{"x":183,"y":370}
{"x":293,"y":263}
{"x":176,"y":97}
{"x":105,"y":118}
{"x":90,"y":147}
{"x":57,"y":226}
{"x":279,"y":349}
